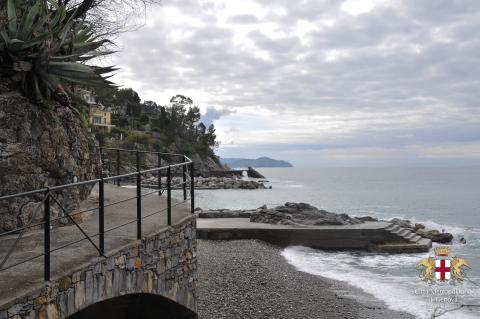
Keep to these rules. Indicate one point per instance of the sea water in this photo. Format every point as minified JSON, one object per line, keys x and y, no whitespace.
{"x":442,"y":198}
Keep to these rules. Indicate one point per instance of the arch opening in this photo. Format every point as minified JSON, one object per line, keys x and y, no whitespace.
{"x":136,"y":306}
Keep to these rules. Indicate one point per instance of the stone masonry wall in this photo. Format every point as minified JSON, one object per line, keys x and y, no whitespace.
{"x":163,"y":264}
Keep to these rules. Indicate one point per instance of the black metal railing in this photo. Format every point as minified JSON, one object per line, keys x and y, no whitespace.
{"x":47,"y":197}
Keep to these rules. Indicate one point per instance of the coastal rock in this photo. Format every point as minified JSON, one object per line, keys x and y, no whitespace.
{"x":224,"y":172}
{"x":209,"y":183}
{"x":418,"y":227}
{"x":300,"y":214}
{"x":209,"y":165}
{"x":227,"y":183}
{"x":436,"y":236}
{"x":225,"y":213}
{"x":251,"y":172}
{"x":367,"y":219}
{"x":41,"y":147}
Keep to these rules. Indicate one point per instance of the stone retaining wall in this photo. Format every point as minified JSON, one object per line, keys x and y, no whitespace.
{"x":164,"y":264}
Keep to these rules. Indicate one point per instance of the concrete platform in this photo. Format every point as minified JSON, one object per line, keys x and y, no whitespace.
{"x":370,"y":236}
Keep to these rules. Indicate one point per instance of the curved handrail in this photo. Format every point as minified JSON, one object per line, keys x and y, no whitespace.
{"x":186,"y":163}
{"x":114,"y":177}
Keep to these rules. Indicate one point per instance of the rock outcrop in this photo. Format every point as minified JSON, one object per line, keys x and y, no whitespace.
{"x":39,"y":148}
{"x":204,"y":166}
{"x":226,"y":213}
{"x":435,"y":235}
{"x":300,"y":214}
{"x":212,"y":183}
{"x":227,"y":183}
{"x":251,"y":172}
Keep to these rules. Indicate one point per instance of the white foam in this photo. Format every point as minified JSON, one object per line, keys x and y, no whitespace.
{"x":454,"y":229}
{"x":371,"y":273}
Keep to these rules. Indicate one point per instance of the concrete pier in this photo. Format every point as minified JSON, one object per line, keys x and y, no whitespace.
{"x":369,"y":236}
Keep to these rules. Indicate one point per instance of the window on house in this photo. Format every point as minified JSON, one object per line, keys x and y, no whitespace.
{"x":97,"y":120}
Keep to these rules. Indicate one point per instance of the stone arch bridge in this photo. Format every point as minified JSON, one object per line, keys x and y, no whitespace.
{"x":132,"y":256}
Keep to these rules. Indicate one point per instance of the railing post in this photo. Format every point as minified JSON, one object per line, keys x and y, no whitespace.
{"x":184,"y":174}
{"x":139,"y":198}
{"x":138,"y":161}
{"x":118,"y":167}
{"x":102,"y":161}
{"x":139,"y":206}
{"x":46,"y":230}
{"x":192,"y":189}
{"x":109,"y":164}
{"x":169,"y":196}
{"x":101,"y":216}
{"x":159,"y":175}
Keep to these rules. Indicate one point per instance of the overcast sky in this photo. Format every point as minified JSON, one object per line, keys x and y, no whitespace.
{"x":319,"y":83}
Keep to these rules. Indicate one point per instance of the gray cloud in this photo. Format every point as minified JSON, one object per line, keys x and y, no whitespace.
{"x":243,"y":19}
{"x":417,"y":59}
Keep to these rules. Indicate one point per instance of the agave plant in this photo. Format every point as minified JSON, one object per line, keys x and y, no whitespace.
{"x":43,"y":47}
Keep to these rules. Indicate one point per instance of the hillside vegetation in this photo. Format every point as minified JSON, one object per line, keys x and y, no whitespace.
{"x":175,"y":127}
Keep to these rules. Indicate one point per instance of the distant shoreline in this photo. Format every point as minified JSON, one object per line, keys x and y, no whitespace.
{"x":261,"y":162}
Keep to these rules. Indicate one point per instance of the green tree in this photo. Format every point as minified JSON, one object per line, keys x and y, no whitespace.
{"x":211,"y":136}
{"x":193,"y":116}
{"x":129,"y":100}
{"x":150,"y":108}
{"x":107,"y":96}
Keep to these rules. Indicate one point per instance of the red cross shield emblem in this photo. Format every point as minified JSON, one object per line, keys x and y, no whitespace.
{"x":442,"y":269}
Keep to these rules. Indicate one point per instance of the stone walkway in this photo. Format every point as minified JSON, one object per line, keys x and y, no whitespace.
{"x":24,"y":278}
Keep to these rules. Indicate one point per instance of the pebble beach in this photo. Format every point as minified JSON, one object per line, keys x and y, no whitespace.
{"x":250,"y":279}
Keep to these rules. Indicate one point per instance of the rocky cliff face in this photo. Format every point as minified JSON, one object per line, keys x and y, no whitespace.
{"x":40,"y":148}
{"x":206,"y":166}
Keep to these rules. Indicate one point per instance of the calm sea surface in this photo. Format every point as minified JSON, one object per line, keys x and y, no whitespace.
{"x":443,"y":198}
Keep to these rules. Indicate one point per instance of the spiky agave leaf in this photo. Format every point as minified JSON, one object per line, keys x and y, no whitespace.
{"x":12,"y":18}
{"x":81,"y":56}
{"x":45,"y":47}
{"x":27,"y":23}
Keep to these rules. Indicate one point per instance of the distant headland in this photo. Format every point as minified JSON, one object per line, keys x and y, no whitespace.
{"x":259,"y":162}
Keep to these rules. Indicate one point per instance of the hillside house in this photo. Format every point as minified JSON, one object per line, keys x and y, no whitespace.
{"x":98,"y":115}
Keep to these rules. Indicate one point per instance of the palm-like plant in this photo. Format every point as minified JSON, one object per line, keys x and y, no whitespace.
{"x":43,"y":47}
